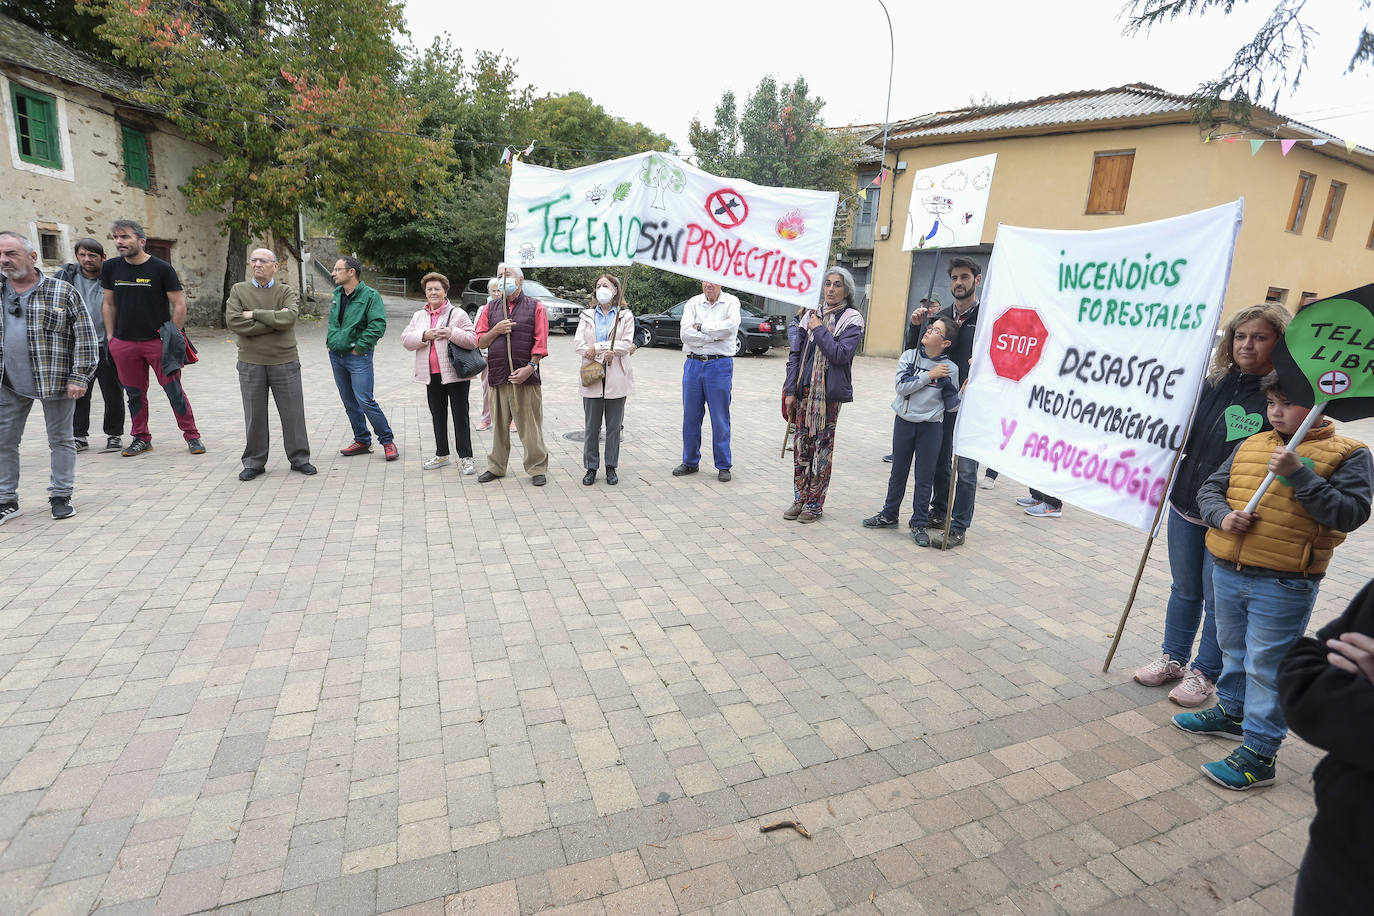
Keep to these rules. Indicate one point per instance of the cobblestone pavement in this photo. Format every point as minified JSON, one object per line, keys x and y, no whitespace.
{"x":382,"y":689}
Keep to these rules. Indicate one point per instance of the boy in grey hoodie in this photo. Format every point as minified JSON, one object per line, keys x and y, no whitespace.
{"x":927,"y":386}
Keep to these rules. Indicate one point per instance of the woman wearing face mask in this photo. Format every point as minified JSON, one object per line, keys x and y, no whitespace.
{"x":604,"y":337}
{"x":428,"y":334}
{"x":1230,"y":408}
{"x":822,"y":341}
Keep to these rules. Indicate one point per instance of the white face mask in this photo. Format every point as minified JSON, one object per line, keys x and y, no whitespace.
{"x":604,"y":295}
{"x":509,"y":285}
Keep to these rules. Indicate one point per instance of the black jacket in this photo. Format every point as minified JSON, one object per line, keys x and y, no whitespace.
{"x":1207,"y":446}
{"x":1334,"y":710}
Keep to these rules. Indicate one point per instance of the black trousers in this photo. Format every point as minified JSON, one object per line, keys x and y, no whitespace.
{"x":450,"y":398}
{"x":1046,"y":499}
{"x":110,"y":391}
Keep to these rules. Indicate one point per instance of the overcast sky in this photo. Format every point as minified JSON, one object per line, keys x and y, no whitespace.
{"x":664,"y":63}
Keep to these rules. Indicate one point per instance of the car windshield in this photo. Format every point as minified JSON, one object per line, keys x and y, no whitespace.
{"x":537,"y":290}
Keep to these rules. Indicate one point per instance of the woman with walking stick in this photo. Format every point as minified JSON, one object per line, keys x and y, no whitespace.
{"x":822,"y":343}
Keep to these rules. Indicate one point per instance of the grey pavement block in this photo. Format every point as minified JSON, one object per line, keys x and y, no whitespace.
{"x":518,"y":856}
{"x":91,"y":850}
{"x":417,"y":881}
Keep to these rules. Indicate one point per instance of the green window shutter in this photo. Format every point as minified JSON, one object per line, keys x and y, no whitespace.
{"x":35,"y":127}
{"x":136,"y":170}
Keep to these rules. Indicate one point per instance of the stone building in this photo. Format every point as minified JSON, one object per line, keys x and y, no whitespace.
{"x":82,"y":154}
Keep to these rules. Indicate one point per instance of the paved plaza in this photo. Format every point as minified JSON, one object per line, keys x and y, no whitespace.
{"x":388,"y":690}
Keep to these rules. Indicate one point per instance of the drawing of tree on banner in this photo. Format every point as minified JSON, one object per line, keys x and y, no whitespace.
{"x":660,"y":174}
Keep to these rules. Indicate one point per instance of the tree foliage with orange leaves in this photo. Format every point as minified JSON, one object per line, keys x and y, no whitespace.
{"x":296,"y":98}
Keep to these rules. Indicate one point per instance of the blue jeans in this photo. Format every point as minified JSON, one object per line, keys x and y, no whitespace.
{"x":965,"y":488}
{"x":1190,"y":598}
{"x":1258,"y":620}
{"x":353,"y":377}
{"x":915,"y":444}
{"x":707,"y":384}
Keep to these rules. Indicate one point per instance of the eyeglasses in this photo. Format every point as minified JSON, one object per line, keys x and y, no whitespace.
{"x":262,"y":260}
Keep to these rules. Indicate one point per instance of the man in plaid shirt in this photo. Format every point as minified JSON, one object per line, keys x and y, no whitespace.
{"x":48,"y":353}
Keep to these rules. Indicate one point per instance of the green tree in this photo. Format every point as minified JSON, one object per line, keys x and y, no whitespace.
{"x":570,"y":130}
{"x":778,"y":141}
{"x":1273,"y":61}
{"x":296,"y":97}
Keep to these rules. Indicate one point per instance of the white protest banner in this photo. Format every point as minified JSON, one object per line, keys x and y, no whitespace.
{"x":655,"y":209}
{"x":948,"y":204}
{"x":1091,"y":349}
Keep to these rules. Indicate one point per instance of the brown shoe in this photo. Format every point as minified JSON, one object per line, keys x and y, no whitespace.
{"x":808,"y":516}
{"x":793,"y":511}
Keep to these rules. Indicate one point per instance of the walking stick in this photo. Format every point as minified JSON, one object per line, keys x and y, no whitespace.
{"x":1140,"y":569}
{"x":949,"y":504}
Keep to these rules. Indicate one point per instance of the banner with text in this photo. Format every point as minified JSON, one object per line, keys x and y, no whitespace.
{"x":655,"y":209}
{"x":1091,"y":349}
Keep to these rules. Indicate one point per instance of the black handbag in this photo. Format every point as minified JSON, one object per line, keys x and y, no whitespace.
{"x":467,"y":363}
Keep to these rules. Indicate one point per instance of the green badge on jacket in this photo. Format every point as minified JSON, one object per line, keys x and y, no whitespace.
{"x":1305,"y":462}
{"x":1241,"y":425}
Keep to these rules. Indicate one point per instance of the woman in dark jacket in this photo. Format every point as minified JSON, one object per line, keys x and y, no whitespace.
{"x":822,"y":346}
{"x":1326,"y":687}
{"x":1230,"y":408}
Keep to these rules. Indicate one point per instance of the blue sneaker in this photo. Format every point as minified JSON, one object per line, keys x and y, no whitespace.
{"x":1243,"y":769}
{"x":1213,"y":721}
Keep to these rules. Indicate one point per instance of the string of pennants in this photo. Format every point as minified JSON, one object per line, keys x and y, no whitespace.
{"x":1285,"y":145}
{"x":509,"y":155}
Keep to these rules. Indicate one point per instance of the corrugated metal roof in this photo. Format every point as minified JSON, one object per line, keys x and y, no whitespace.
{"x":22,"y":45}
{"x":1134,"y":101}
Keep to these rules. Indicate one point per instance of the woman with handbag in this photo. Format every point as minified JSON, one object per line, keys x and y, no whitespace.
{"x":822,"y":342}
{"x":604,"y":339}
{"x":431,"y":332}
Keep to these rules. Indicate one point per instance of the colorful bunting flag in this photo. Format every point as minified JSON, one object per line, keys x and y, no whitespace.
{"x":1286,"y":145}
{"x":1350,"y":146}
{"x":1255,"y":146}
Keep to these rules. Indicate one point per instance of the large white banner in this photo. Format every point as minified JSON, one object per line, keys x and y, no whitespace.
{"x":1091,"y":349}
{"x":658,"y":210}
{"x":949,"y":203}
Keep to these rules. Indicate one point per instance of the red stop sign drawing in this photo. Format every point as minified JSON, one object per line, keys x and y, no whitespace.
{"x":1018,"y":342}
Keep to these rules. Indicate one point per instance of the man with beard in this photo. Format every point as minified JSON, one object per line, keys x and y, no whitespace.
{"x":143,"y":293}
{"x":965,"y":278}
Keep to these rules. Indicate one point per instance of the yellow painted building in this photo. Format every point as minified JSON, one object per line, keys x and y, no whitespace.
{"x":1121,"y":156}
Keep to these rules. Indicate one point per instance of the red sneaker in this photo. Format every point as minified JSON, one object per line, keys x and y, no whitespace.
{"x":391,"y":451}
{"x":355,"y":448}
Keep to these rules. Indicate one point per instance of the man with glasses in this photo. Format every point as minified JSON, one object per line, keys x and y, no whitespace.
{"x":48,"y":353}
{"x":262,"y":314}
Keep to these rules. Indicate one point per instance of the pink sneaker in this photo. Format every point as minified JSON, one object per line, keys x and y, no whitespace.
{"x":1159,"y":671}
{"x":1196,"y":689}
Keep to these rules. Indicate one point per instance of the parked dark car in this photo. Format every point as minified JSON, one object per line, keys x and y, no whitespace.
{"x":563,"y":315}
{"x":757,"y":331}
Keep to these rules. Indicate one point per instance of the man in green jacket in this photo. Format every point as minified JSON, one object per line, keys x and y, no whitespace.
{"x":262,"y":314}
{"x":357,"y":320}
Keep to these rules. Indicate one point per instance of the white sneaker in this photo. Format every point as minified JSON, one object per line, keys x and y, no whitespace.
{"x":1025,"y":502}
{"x":1043,"y":510}
{"x":468,"y":467}
{"x":1159,"y":671}
{"x":985,"y":483}
{"x":435,"y":462}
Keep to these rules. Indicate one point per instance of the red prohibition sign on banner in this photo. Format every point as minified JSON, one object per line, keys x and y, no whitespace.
{"x":1333,"y":382}
{"x":727,"y":208}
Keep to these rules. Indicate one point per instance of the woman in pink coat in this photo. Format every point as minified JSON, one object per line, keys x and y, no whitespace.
{"x":605,"y":335}
{"x":428,"y":334}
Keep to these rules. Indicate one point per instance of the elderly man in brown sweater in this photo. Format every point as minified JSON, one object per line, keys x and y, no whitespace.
{"x":262,"y":314}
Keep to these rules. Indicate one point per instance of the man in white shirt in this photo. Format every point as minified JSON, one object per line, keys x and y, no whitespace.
{"x":709,"y":325}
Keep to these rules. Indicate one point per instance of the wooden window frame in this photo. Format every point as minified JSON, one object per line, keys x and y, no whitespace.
{"x":1335,"y":196}
{"x":137,"y":174}
{"x":1104,"y":206}
{"x":1302,"y":196}
{"x":1370,"y":244}
{"x":51,"y":124}
{"x":1277,"y":294}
